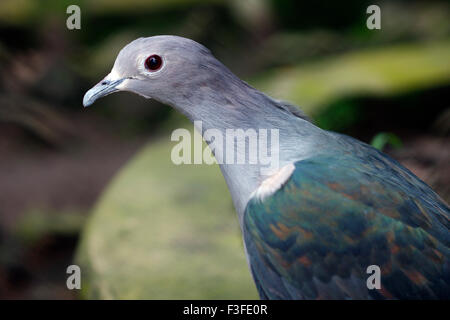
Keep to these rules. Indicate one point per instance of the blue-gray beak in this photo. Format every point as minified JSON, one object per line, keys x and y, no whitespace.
{"x":101,"y":89}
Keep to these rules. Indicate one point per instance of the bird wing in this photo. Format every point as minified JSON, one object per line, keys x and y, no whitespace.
{"x":315,"y":237}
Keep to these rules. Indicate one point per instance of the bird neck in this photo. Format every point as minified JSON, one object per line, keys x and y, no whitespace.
{"x":236,"y":114}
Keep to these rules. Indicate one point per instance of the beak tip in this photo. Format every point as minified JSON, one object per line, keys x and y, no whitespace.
{"x":88,"y":99}
{"x":101,"y":89}
{"x":86,"y":104}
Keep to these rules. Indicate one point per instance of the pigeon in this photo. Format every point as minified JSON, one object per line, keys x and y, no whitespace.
{"x":334,"y":219}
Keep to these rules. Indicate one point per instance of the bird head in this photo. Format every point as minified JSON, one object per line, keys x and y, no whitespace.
{"x":156,"y":67}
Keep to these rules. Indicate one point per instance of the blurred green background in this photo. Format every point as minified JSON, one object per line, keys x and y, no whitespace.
{"x":156,"y":230}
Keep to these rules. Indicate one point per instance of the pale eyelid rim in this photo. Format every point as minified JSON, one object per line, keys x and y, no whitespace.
{"x":144,"y":70}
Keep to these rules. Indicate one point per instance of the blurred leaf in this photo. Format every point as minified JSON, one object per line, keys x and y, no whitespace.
{"x":41,"y":120}
{"x":36,"y":224}
{"x":17,"y":11}
{"x":385,"y":71}
{"x":385,"y":138}
{"x":138,"y":5}
{"x":339,"y":116}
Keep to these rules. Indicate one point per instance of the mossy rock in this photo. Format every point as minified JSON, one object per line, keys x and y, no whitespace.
{"x":162,"y":231}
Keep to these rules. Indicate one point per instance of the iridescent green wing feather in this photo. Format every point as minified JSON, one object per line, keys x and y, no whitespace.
{"x":315,"y":237}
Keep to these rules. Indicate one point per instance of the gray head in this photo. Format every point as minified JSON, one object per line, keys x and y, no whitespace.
{"x":169,"y":69}
{"x":184,"y":74}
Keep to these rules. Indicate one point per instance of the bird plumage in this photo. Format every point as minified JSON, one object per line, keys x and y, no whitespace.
{"x":337,"y":215}
{"x":345,"y":206}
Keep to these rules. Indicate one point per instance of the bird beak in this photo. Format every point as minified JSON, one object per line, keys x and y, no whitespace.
{"x":101,"y":89}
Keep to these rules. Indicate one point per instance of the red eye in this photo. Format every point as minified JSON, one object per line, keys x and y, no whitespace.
{"x":153,"y":62}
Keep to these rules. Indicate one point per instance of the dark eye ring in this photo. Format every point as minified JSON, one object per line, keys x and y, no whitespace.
{"x":153,"y":63}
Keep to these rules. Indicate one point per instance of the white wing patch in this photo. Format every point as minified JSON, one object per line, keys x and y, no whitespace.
{"x":270,"y":185}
